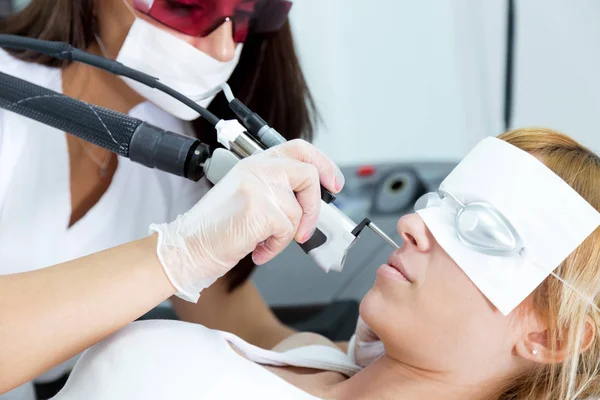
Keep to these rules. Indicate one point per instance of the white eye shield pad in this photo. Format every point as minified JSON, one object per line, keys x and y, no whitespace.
{"x":549,"y":217}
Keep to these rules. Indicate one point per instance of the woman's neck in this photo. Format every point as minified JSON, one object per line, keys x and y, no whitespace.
{"x":98,"y":87}
{"x":389,"y":379}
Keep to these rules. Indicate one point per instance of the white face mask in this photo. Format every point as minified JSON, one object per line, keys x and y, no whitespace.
{"x":176,"y":64}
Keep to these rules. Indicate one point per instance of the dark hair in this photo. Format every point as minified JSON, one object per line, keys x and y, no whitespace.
{"x":268,"y":78}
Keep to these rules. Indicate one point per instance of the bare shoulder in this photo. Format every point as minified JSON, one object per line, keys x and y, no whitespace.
{"x":304,"y":339}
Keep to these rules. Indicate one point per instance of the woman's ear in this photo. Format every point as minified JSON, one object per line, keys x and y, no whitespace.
{"x":537,"y":345}
{"x":589,"y":334}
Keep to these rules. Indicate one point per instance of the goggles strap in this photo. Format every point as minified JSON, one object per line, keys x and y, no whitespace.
{"x":589,"y":300}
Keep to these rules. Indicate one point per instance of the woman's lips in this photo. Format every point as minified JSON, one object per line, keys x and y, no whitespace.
{"x":396,"y":262}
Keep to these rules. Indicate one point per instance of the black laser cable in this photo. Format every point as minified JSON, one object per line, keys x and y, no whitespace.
{"x":256,"y":126}
{"x":129,"y":137}
{"x":64,"y":51}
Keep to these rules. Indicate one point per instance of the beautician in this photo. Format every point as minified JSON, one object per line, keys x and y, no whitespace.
{"x":51,"y":314}
{"x":62,"y":198}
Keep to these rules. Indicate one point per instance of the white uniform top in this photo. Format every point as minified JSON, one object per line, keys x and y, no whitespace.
{"x":157,"y":360}
{"x":35,"y":202}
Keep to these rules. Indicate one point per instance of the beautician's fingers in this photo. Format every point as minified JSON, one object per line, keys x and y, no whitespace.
{"x":330,"y":175}
{"x":299,"y":200}
{"x":260,"y":206}
{"x":284,"y":217}
{"x":304,"y":181}
{"x":282,"y":176}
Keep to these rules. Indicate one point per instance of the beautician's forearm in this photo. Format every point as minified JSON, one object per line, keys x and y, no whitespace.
{"x":50,"y":315}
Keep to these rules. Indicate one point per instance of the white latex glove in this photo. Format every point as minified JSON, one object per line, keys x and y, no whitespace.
{"x":263,"y":203}
{"x":365,"y":346}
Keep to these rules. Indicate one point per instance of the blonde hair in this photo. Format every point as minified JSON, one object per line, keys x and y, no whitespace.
{"x":566,"y":312}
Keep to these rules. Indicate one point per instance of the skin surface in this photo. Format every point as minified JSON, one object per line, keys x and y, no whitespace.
{"x":440,"y":333}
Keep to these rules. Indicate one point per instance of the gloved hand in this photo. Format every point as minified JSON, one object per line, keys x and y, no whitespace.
{"x":364,"y":347}
{"x":263,"y":203}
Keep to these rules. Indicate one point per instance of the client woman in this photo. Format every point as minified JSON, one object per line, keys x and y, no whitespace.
{"x":492,"y":296}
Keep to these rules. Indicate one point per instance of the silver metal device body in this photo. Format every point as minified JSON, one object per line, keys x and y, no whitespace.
{"x":244,"y":146}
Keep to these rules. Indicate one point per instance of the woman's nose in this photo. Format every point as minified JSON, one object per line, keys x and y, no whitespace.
{"x":414,"y":232}
{"x":219,"y":44}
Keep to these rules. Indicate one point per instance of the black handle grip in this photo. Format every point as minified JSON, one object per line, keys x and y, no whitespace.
{"x":170,"y":152}
{"x":316,"y":240}
{"x":105,"y":128}
{"x":327,"y":196}
{"x":129,"y":137}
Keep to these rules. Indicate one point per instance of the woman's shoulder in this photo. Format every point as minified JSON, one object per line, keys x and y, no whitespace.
{"x":170,"y":360}
{"x":162,"y":341}
{"x":142,"y":358}
{"x":146,"y":334}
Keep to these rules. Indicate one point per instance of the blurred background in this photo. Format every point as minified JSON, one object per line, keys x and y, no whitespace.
{"x":428,"y":79}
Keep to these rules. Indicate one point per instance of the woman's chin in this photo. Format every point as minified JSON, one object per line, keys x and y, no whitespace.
{"x":373,"y":306}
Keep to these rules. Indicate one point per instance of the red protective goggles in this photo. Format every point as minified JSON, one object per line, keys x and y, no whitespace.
{"x":202,"y":17}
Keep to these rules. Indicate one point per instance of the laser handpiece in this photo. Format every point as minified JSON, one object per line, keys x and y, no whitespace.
{"x":368,"y":223}
{"x":172,"y":153}
{"x":336,"y":233}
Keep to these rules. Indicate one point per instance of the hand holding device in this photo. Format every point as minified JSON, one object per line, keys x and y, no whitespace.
{"x":260,"y":206}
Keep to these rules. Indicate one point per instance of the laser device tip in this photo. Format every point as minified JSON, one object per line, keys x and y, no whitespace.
{"x":367,"y":222}
{"x":382,"y":234}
